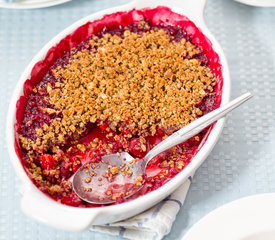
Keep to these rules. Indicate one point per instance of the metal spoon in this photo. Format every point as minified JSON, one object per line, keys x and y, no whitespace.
{"x":121,"y":176}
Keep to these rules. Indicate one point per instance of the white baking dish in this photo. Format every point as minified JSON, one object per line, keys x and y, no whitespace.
{"x":40,"y":207}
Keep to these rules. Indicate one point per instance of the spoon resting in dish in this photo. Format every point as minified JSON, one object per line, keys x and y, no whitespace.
{"x":121,"y":176}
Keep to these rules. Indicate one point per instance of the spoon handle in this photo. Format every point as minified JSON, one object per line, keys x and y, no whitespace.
{"x":195,"y":127}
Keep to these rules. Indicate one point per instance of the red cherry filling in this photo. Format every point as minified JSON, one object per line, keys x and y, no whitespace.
{"x":72,"y":200}
{"x":47,"y":161}
{"x":136,"y":148}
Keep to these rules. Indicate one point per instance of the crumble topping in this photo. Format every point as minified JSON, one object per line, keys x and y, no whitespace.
{"x":145,"y":80}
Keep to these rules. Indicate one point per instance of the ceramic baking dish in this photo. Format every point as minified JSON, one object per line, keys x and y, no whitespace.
{"x":45,"y":210}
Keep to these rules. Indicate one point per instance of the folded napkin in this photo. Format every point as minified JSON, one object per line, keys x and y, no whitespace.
{"x":152,"y":224}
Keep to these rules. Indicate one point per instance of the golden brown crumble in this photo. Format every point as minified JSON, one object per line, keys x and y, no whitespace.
{"x":139,"y":180}
{"x":145,"y":80}
{"x":88,"y":180}
{"x":113,"y":169}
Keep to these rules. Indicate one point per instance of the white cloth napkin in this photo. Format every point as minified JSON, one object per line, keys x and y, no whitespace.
{"x":152,"y":224}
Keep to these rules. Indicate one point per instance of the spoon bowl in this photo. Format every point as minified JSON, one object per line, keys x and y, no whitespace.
{"x":115,"y":176}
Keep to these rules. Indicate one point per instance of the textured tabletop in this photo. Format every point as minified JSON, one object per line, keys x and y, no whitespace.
{"x":241,"y":164}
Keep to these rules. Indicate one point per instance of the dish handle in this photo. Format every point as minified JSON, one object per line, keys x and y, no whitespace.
{"x":193,"y":9}
{"x":53,"y":214}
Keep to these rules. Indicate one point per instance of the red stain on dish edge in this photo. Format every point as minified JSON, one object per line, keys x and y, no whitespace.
{"x":157,"y":16}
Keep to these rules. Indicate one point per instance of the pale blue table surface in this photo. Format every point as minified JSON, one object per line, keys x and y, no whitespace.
{"x":241,"y":164}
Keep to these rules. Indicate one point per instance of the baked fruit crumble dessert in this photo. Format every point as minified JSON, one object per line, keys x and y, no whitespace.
{"x":122,"y":88}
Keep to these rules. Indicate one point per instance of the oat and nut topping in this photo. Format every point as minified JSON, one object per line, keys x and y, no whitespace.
{"x":146,"y":80}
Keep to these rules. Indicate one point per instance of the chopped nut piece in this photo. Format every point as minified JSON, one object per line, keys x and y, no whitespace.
{"x":81,"y":147}
{"x":114,"y":170}
{"x":88,"y":180}
{"x":116,"y":195}
{"x":180,"y":165}
{"x":139,"y":180}
{"x":92,"y":173}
